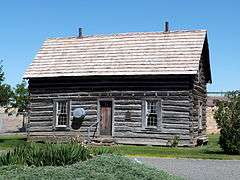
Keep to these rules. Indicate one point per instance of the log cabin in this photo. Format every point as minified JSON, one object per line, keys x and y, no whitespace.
{"x":144,"y":88}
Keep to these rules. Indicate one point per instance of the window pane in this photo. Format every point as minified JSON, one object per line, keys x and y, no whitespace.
{"x":62,"y":113}
{"x":151,"y":113}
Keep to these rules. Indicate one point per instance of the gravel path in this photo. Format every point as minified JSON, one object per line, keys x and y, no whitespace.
{"x":197,"y":169}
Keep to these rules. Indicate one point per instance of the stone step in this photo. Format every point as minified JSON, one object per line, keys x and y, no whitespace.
{"x":107,"y":141}
{"x":101,"y":144}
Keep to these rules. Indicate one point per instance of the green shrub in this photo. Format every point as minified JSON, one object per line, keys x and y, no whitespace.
{"x":45,"y":154}
{"x":174,"y":141}
{"x":228,"y":120}
{"x":99,"y":168}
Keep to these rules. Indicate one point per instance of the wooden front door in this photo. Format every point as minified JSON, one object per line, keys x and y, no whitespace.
{"x":106,"y":118}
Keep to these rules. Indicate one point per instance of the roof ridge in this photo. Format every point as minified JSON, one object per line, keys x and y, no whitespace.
{"x":129,"y":33}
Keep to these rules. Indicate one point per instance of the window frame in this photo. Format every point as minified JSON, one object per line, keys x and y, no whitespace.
{"x":68,"y":113}
{"x":148,"y":113}
{"x":158,"y":112}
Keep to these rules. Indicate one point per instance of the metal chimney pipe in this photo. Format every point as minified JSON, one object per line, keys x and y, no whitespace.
{"x":166,"y":27}
{"x":80,"y":31}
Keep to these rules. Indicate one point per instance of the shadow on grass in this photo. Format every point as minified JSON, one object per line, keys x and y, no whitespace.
{"x":9,"y":142}
{"x":207,"y":151}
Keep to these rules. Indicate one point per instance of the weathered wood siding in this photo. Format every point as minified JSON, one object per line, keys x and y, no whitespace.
{"x":199,"y":94}
{"x":127,"y":93}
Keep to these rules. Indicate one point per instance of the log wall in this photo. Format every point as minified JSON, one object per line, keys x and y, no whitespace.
{"x":128,"y":94}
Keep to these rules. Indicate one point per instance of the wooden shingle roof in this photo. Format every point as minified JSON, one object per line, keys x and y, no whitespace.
{"x":146,"y":53}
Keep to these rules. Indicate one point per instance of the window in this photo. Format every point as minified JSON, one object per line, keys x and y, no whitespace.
{"x":62,"y":113}
{"x":151,"y":113}
{"x":200,"y":114}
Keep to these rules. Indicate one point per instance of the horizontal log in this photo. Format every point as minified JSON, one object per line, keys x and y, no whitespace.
{"x":77,"y":102}
{"x":43,"y":118}
{"x":41,"y":113}
{"x":123,"y":119}
{"x":128,"y":102}
{"x":36,"y":109}
{"x":123,"y":112}
{"x":129,"y":124}
{"x":175,"y":108}
{"x":176,"y":115}
{"x":41,"y":129}
{"x":155,"y":136}
{"x":40,"y":124}
{"x":151,"y":130}
{"x":56,"y":133}
{"x":129,"y":93}
{"x":130,"y":107}
{"x":162,"y":131}
{"x":176,"y":121}
{"x":185,"y":103}
{"x":60,"y":97}
{"x":148,"y":141}
{"x":175,"y":126}
{"x":50,"y":129}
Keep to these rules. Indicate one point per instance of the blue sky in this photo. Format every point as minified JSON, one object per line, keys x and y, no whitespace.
{"x":24,"y":25}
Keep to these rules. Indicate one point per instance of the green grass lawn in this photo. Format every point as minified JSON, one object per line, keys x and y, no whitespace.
{"x":210,"y":151}
{"x":8,"y":142}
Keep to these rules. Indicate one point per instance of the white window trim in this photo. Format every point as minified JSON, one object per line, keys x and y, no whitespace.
{"x":158,"y":111}
{"x":68,"y":109}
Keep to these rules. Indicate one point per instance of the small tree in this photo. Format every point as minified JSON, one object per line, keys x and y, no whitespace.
{"x":21,"y":97}
{"x":228,"y":119}
{"x":20,"y":101}
{"x":1,"y":73}
{"x":5,"y":89}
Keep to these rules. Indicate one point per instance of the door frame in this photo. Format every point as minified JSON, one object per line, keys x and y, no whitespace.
{"x":99,"y":112}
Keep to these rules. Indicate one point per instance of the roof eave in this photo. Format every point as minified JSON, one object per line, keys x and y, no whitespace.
{"x":208,"y":61}
{"x":58,"y":76}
